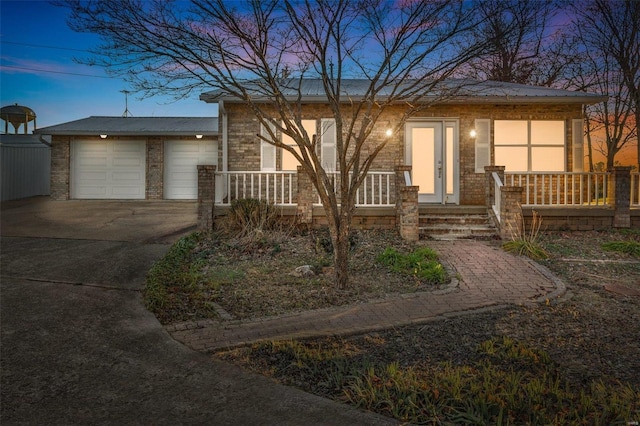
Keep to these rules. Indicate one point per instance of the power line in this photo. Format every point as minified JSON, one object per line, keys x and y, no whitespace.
{"x":43,"y":46}
{"x":55,"y":72}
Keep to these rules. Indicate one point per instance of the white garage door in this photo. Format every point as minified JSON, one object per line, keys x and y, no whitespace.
{"x":181,"y":159}
{"x":108,"y":169}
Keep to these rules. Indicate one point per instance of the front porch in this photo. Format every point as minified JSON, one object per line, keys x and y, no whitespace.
{"x":572,"y":201}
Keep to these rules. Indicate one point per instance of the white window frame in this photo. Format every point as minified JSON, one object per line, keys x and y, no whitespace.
{"x":531,"y":146}
{"x":268,"y":151}
{"x":328,"y":146}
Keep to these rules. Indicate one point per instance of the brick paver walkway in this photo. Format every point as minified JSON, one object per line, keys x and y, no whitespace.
{"x":487,"y":277}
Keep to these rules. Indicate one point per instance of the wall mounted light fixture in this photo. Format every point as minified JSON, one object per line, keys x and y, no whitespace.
{"x":389,"y":131}
{"x":198,"y":136}
{"x":473,"y":133}
{"x":103,"y":136}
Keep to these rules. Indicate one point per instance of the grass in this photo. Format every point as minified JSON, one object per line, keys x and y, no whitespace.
{"x":508,"y":383}
{"x":627,"y":247}
{"x":176,"y":287}
{"x":422,"y":263}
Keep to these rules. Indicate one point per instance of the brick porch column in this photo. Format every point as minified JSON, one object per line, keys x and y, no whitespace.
{"x":400,"y":185}
{"x":489,"y":183}
{"x":409,"y":214}
{"x":511,"y":220}
{"x":206,"y":196}
{"x":621,"y":196}
{"x":306,"y":196}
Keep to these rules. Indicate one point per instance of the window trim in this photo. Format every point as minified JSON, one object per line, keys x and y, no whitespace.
{"x":530,"y":146}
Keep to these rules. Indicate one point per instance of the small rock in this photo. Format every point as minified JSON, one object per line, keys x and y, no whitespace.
{"x":303,"y":271}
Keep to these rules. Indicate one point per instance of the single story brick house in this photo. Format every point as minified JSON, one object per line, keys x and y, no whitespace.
{"x":536,"y":133}
{"x":525,"y":128}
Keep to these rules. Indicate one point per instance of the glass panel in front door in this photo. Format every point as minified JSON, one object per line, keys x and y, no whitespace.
{"x":427,"y":161}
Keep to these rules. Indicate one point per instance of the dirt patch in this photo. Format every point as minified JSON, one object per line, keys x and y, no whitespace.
{"x":257,"y":277}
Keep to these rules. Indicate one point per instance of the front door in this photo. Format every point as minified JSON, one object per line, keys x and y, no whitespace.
{"x":432,"y":151}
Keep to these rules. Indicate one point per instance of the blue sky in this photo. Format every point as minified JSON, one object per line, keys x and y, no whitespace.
{"x":47,"y":80}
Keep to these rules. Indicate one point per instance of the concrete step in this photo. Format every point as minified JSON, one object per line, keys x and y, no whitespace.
{"x":467,"y":219}
{"x":455,"y":222}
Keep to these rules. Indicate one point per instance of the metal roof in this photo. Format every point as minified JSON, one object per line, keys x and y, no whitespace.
{"x":136,"y":126}
{"x":23,"y":141}
{"x":463,"y":91}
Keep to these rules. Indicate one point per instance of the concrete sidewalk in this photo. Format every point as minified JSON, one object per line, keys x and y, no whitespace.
{"x":485,"y":276}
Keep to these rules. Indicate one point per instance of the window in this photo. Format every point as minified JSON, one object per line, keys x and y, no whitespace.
{"x":327,"y":141}
{"x":289,"y":162}
{"x":535,"y":145}
{"x":267,"y":150}
{"x":328,"y":144}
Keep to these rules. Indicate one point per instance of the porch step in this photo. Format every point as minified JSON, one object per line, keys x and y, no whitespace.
{"x":455,"y":222}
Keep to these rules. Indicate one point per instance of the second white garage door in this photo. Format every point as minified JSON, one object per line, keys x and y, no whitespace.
{"x":181,"y":159}
{"x":108,"y":169}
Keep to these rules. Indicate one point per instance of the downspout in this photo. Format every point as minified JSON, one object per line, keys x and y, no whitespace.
{"x":221,"y":189}
{"x":44,"y":141}
{"x":222,"y":113}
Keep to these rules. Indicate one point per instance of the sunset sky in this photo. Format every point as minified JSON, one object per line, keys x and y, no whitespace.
{"x":37,"y":70}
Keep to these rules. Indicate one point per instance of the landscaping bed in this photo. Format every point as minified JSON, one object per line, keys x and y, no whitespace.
{"x":587,"y":346}
{"x":223,"y":276}
{"x":574,"y":360}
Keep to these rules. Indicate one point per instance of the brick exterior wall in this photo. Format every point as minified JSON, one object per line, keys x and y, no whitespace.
{"x":244,"y":145}
{"x":60,"y":167}
{"x":155,"y":169}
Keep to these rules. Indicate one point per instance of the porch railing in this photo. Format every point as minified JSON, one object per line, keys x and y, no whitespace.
{"x":497,"y":195}
{"x":562,"y":189}
{"x":378,"y":189}
{"x":281,"y":187}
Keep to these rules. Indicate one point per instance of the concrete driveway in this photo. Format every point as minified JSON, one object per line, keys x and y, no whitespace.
{"x":78,"y":347}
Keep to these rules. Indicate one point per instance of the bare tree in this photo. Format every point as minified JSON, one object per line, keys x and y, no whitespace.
{"x":402,"y":50}
{"x":522,"y":45}
{"x":611,"y":29}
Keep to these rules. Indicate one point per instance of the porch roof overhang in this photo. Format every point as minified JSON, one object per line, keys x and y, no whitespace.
{"x":454,"y":92}
{"x":135,"y":126}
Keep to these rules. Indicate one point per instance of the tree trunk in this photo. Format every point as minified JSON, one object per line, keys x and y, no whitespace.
{"x":638,"y":132}
{"x":341,"y":248}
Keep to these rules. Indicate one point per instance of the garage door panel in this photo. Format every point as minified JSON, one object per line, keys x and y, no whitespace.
{"x":127,"y":177}
{"x":184,"y":147}
{"x":127,"y":147}
{"x":91,"y":192}
{"x":126,"y":162}
{"x":108,"y":169}
{"x":92,"y":162}
{"x":181,"y":166}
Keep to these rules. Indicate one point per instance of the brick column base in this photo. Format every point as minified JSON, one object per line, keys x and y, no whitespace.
{"x":206,"y":196}
{"x":621,"y":199}
{"x":408,"y":214}
{"x":511,"y":221}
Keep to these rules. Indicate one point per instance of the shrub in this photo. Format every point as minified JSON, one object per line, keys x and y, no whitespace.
{"x":250,"y":216}
{"x":526,"y":243}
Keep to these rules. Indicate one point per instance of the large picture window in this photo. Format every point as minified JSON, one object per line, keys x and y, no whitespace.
{"x":530,"y":145}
